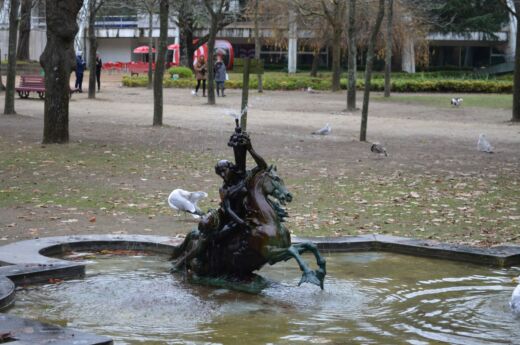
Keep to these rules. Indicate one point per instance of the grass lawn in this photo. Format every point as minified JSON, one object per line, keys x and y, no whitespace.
{"x":132,"y":180}
{"x":491,"y":101}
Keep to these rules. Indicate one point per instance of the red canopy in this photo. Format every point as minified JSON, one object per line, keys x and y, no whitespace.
{"x":173,"y":46}
{"x":143,"y":50}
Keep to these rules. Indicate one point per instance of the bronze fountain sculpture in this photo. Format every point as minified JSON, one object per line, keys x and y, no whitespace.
{"x":247,"y":230}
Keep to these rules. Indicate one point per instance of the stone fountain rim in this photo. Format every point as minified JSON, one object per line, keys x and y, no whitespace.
{"x":26,"y":262}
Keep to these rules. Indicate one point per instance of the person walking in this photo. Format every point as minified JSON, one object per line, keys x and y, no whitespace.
{"x":99,"y":67}
{"x":200,"y":73}
{"x":220,"y":75}
{"x":80,"y":69}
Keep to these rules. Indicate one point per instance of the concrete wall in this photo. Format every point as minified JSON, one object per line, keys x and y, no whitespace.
{"x":37,"y":44}
{"x":116,"y":49}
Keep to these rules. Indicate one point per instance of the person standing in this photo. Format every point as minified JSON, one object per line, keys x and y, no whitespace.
{"x":80,"y":69}
{"x":200,"y":73}
{"x":99,"y":67}
{"x":220,"y":75}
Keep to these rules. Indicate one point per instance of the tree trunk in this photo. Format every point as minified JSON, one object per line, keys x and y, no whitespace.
{"x":389,"y":46}
{"x":352,"y":57}
{"x":150,"y":48}
{"x":516,"y":87}
{"x":92,"y":39}
{"x":190,"y":49}
{"x":159,"y":66}
{"x":58,"y":60}
{"x":11,"y":64}
{"x":368,"y":69}
{"x":258,"y":47}
{"x":2,"y":86}
{"x":25,"y":31}
{"x":210,"y":59}
{"x":315,"y":62}
{"x":336,"y":59}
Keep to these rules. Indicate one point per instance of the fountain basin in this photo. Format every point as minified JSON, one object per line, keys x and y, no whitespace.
{"x":28,"y":263}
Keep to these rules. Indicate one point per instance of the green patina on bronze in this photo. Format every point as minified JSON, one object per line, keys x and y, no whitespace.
{"x":247,"y":230}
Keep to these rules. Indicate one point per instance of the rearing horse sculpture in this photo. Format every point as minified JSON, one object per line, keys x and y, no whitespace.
{"x":234,"y":252}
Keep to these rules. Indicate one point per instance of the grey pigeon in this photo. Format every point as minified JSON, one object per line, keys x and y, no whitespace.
{"x":379,"y":149}
{"x":483,"y":144}
{"x":457,"y":102}
{"x":323,"y":131}
{"x":185,"y":201}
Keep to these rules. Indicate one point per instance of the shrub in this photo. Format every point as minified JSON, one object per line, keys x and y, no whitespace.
{"x":182,"y":72}
{"x":279,"y":82}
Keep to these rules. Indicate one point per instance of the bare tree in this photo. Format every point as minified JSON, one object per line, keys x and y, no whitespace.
{"x":24,"y":30}
{"x":190,"y":16}
{"x":368,"y":69}
{"x":58,"y":61}
{"x":218,"y":11}
{"x":93,"y":8}
{"x":389,"y":46}
{"x":513,"y":6}
{"x":352,"y":56}
{"x":11,"y":64}
{"x":258,"y":44}
{"x":334,"y":12}
{"x":2,"y":86}
{"x":164,"y":8}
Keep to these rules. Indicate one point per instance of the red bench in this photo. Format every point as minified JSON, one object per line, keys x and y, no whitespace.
{"x":33,"y":83}
{"x":136,"y":68}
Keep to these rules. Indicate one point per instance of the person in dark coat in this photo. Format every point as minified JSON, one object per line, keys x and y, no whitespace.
{"x":99,"y":67}
{"x":80,"y":69}
{"x":220,"y":75}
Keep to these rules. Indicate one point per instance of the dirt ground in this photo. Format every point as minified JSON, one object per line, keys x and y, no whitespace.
{"x":434,"y":184}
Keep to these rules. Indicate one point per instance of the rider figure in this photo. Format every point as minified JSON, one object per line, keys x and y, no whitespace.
{"x":230,"y":216}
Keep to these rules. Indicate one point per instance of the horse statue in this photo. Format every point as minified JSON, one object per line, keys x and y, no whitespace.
{"x":234,"y":251}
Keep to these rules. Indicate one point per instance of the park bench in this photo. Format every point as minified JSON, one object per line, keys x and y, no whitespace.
{"x":33,"y":83}
{"x":136,"y":68}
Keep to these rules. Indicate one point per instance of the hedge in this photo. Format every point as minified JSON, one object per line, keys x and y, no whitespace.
{"x":182,"y":72}
{"x":301,"y":82}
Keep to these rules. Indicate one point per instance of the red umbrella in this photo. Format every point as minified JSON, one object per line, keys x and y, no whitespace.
{"x":143,"y":50}
{"x":173,"y":47}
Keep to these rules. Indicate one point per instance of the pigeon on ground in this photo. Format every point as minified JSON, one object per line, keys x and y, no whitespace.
{"x":456,"y":102}
{"x":379,"y":149}
{"x":185,"y":201}
{"x":483,"y":144}
{"x":514,"y":304}
{"x":311,"y":90}
{"x":323,"y":131}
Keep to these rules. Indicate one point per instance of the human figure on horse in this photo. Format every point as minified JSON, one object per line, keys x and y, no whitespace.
{"x":231,"y":216}
{"x":247,"y":230}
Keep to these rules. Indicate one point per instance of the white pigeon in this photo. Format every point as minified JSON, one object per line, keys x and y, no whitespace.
{"x":311,"y":90}
{"x":185,"y":201}
{"x":514,"y":304}
{"x":457,"y":102}
{"x":323,"y":131}
{"x":483,"y":144}
{"x":379,"y":149}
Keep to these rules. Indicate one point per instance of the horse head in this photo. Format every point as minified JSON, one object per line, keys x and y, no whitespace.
{"x":274,"y":186}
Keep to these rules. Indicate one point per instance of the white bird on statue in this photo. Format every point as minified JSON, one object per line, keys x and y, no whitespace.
{"x":483,"y":144}
{"x":323,"y":131}
{"x":515,"y":299}
{"x":185,"y":201}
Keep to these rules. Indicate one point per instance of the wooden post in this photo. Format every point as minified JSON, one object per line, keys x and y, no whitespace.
{"x":245,"y":94}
